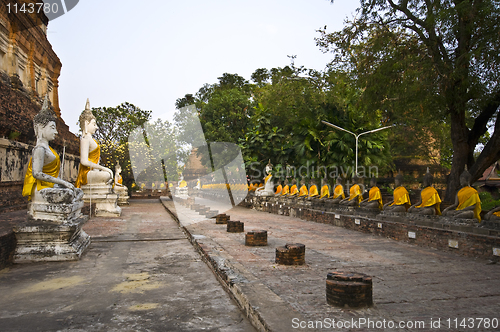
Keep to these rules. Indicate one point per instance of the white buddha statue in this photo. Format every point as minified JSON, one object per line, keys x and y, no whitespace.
{"x":94,"y":179}
{"x":268,"y":188}
{"x":52,"y":232}
{"x":90,"y":172}
{"x":118,"y":186}
{"x":44,"y":167}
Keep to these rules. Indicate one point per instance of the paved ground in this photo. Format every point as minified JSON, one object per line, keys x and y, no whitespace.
{"x":410,"y":284}
{"x":139,"y":274}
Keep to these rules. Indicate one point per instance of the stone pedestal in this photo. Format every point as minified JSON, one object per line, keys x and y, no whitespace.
{"x":53,"y":229}
{"x":106,"y":203}
{"x":222,"y":218}
{"x":291,"y":254}
{"x":50,"y":241}
{"x":256,"y":238}
{"x":235,"y":226}
{"x":122,"y":193}
{"x":349,"y":289}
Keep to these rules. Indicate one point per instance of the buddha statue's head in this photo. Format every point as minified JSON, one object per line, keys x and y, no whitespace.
{"x":286,"y":182}
{"x":339,"y":180}
{"x":44,"y":123}
{"x":324,"y":182}
{"x":303,"y":181}
{"x":355,"y":179}
{"x":313,"y":182}
{"x":428,"y":178}
{"x":88,"y":123}
{"x":373,"y":182}
{"x":398,"y":180}
{"x":269,"y":167}
{"x":294,"y":182}
{"x":118,"y":168}
{"x":465,"y":178}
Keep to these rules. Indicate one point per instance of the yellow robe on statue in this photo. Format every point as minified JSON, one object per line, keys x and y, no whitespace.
{"x":303,"y":191}
{"x":120,"y":180}
{"x":430,"y":197}
{"x":401,"y":197}
{"x":286,"y":190}
{"x":375,"y":195}
{"x":325,"y":191}
{"x":51,"y":169}
{"x":468,"y":196}
{"x":267,"y":179}
{"x":354,"y":192}
{"x":94,"y":156}
{"x":313,"y":191}
{"x":294,"y":191}
{"x":278,"y":190}
{"x":339,"y":191}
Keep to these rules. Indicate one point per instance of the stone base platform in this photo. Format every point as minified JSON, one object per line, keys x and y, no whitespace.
{"x":49,"y":241}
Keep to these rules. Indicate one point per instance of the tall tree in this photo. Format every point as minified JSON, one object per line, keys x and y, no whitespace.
{"x":456,"y":42}
{"x":115,"y":125}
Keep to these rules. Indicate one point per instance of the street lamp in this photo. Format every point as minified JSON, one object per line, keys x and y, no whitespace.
{"x":356,"y":136}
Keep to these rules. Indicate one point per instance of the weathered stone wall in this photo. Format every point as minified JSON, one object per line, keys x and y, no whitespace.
{"x":14,"y":159}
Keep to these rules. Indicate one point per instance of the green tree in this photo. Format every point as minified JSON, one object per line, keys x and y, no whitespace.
{"x":115,"y":125}
{"x":444,"y":52}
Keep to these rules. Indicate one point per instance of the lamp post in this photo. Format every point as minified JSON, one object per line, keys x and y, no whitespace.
{"x":356,"y":136}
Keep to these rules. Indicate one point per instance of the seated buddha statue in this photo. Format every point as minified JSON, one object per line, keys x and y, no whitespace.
{"x":44,"y":166}
{"x":325,"y":189}
{"x":268,"y":188}
{"x":429,"y":198}
{"x":294,"y":191}
{"x":338,"y":192}
{"x":118,"y":186}
{"x":90,"y":172}
{"x":303,"y":192}
{"x":118,"y":176}
{"x":313,"y":190}
{"x":401,"y":199}
{"x":374,"y":200}
{"x":286,"y":189}
{"x":355,"y":194}
{"x":467,"y":203}
{"x":279,"y":189}
{"x":493,"y":214}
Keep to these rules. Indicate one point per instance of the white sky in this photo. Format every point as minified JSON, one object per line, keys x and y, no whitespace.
{"x":149,"y":53}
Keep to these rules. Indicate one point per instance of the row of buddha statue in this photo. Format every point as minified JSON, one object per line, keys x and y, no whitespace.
{"x":467,"y":203}
{"x":93,"y":180}
{"x":53,"y":228}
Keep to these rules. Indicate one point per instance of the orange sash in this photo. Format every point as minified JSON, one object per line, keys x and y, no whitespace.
{"x":51,"y":169}
{"x":83,"y":170}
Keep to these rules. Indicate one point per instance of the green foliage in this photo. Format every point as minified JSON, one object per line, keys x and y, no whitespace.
{"x":13,"y":135}
{"x":115,"y":125}
{"x":427,"y":66}
{"x":487,"y":201}
{"x":279,"y":118}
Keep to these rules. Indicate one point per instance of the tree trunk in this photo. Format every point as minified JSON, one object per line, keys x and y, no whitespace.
{"x":461,"y":148}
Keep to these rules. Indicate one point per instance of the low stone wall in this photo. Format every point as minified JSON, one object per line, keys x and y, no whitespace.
{"x":14,"y":159}
{"x":464,"y":237}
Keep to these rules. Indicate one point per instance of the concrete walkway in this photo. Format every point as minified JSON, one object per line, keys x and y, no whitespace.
{"x":414,"y":288}
{"x":139,"y":274}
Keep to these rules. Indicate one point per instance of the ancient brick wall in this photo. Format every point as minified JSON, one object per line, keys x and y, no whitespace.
{"x":14,"y":159}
